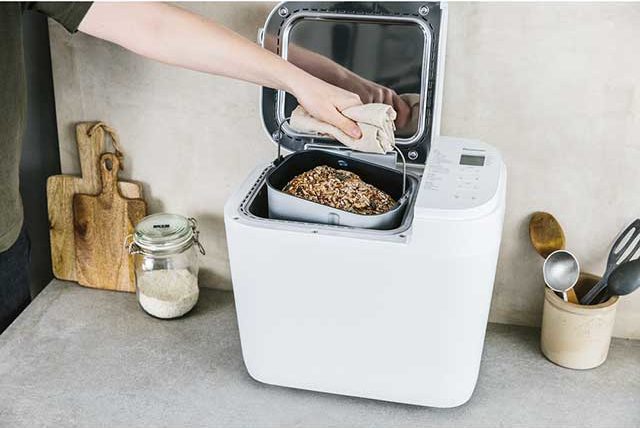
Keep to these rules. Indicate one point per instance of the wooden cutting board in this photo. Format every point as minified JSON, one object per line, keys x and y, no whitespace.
{"x":61,"y":188}
{"x":102,"y":223}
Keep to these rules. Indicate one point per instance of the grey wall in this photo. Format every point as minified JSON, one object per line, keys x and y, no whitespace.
{"x":40,"y":154}
{"x":553,"y":86}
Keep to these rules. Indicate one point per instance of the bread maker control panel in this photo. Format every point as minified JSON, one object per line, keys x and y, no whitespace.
{"x":459,"y":175}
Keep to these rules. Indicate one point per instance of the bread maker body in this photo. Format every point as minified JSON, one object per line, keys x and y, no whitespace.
{"x":397,"y":315}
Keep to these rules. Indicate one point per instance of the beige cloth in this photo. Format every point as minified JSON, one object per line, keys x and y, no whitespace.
{"x":375,"y":121}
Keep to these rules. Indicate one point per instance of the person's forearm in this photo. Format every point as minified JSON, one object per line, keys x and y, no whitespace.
{"x":175,"y":36}
{"x":312,"y":62}
{"x":178,"y":37}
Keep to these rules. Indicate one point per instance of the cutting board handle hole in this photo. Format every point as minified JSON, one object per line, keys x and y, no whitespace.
{"x":108,"y":164}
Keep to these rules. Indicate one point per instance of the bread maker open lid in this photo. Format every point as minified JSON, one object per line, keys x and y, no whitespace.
{"x":394,"y":44}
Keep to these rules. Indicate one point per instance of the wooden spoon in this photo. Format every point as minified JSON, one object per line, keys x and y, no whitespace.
{"x":546,"y":233}
{"x":547,"y":236}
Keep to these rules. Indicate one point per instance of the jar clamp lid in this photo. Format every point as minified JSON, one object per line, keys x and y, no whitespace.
{"x":164,"y":233}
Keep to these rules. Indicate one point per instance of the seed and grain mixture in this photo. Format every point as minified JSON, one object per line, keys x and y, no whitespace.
{"x":340,"y":189}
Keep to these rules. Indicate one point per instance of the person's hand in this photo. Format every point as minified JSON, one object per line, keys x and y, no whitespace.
{"x":326,"y":102}
{"x":329,"y":71}
{"x":371,"y":92}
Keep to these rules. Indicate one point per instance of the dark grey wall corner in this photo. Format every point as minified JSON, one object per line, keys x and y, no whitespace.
{"x":40,"y":150}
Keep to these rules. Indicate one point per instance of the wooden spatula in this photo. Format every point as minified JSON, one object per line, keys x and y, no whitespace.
{"x":101,"y":224}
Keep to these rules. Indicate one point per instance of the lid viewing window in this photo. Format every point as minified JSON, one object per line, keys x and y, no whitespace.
{"x":361,"y":47}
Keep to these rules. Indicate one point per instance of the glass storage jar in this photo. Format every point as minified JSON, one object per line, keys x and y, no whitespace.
{"x":165,"y":248}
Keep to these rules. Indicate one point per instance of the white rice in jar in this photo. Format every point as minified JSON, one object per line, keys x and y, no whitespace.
{"x":167,"y":293}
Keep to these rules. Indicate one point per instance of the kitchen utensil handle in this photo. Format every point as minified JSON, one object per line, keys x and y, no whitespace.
{"x":587,"y":299}
{"x":605,"y":296}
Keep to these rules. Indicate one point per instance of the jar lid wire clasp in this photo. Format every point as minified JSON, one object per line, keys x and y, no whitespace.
{"x":131,"y":246}
{"x":196,"y":235}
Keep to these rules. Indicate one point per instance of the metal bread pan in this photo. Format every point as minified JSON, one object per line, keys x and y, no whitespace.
{"x":283,"y":206}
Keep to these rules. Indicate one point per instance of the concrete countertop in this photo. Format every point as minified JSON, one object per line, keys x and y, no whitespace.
{"x":81,"y":357}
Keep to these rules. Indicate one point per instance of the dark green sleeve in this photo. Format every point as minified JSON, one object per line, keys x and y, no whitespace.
{"x":69,"y":14}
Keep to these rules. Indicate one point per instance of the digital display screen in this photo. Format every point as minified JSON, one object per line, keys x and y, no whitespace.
{"x":472,"y":160}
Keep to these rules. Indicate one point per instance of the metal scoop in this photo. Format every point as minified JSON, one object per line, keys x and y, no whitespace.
{"x":561,"y":271}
